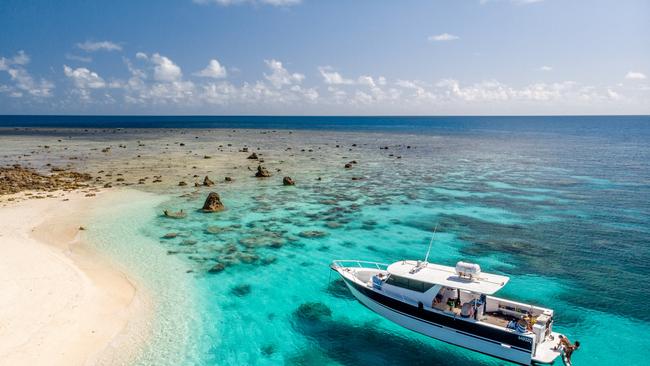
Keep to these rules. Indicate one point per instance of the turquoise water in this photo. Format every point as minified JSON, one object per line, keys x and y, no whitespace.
{"x":567,"y":217}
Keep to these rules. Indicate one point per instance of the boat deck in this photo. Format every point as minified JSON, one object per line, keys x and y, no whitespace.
{"x":546,"y":352}
{"x":495,"y":318}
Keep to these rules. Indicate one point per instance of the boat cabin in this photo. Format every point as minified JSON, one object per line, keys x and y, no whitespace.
{"x":462,"y":291}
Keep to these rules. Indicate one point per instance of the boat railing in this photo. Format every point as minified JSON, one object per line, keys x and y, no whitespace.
{"x":339,"y":263}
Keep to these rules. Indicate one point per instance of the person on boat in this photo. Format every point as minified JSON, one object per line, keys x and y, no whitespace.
{"x":567,"y":346}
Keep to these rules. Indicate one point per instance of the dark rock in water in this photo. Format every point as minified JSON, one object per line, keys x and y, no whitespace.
{"x":312,"y":311}
{"x":217,"y":268}
{"x":338,"y":289}
{"x":348,"y":166}
{"x":182,"y":183}
{"x":313,"y":234}
{"x":333,"y":224}
{"x":245,"y":149}
{"x":276,"y":243}
{"x":252,"y":156}
{"x":175,"y":215}
{"x":207,"y":182}
{"x":188,"y":242}
{"x":248,"y":258}
{"x":196,"y":184}
{"x":228,"y":179}
{"x":267,"y":350}
{"x":213,"y":203}
{"x":262,"y":172}
{"x":241,"y":290}
{"x":214,"y":229}
{"x":229,"y":249}
{"x":269,"y":260}
{"x":170,"y":235}
{"x":287,"y":181}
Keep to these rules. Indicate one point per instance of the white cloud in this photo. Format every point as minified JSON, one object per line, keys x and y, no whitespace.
{"x":253,"y":2}
{"x":84,"y":78}
{"x":165,"y":69}
{"x":72,"y":57}
{"x":332,"y":77}
{"x":214,"y":70}
{"x":89,"y":46}
{"x":23,"y":81}
{"x":613,"y":95}
{"x":366,"y":80}
{"x":444,"y":37}
{"x":635,"y":75}
{"x":546,"y":68}
{"x":280,"y":76}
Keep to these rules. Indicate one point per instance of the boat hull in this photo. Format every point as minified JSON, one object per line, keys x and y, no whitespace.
{"x":440,"y":332}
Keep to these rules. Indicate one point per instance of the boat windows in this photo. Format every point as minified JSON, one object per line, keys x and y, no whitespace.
{"x":409,"y":284}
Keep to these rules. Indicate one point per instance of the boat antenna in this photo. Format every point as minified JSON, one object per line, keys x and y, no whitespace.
{"x":431,"y":242}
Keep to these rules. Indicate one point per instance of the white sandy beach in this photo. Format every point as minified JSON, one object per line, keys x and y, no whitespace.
{"x":61,"y":303}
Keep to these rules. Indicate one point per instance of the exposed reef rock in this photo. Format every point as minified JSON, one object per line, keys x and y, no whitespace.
{"x":16,"y":179}
{"x":213,"y":203}
{"x":252,"y":156}
{"x":262,"y":172}
{"x":207,"y":182}
{"x":287,"y":181}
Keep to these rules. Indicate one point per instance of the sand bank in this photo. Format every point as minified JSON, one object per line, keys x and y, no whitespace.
{"x":61,"y":303}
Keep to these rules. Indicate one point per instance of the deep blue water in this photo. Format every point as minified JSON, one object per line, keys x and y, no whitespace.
{"x":632,"y":127}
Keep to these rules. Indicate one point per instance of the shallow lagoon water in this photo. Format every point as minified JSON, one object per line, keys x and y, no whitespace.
{"x":566,"y":217}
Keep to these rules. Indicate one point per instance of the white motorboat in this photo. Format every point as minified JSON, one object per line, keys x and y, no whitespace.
{"x":454,"y":305}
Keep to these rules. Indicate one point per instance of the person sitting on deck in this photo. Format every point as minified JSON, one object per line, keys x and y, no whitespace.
{"x":567,"y":346}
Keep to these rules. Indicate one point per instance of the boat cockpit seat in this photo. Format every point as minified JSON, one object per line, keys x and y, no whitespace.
{"x":467,"y":311}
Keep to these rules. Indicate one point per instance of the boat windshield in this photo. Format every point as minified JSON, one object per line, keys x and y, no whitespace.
{"x":409,"y":284}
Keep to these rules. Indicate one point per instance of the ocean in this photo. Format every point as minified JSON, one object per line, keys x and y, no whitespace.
{"x":559,"y":204}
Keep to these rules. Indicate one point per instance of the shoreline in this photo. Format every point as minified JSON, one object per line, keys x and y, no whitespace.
{"x":54,"y":283}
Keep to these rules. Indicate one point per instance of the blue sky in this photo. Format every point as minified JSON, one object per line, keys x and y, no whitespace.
{"x":325,"y":57}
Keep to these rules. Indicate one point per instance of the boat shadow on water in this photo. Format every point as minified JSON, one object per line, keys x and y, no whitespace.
{"x":347,"y":343}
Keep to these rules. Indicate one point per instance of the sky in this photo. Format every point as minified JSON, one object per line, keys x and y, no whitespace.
{"x":327,"y":57}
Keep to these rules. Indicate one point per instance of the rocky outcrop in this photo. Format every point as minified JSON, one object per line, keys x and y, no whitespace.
{"x":287,"y":181}
{"x":213,"y":203}
{"x":228,"y":179}
{"x":262,"y":172}
{"x":207,"y":182}
{"x":17,"y":178}
{"x":252,"y":156}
